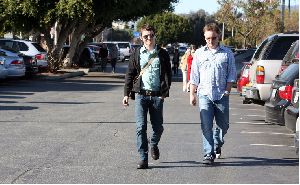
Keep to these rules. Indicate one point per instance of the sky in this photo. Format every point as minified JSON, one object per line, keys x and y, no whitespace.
{"x":186,"y":6}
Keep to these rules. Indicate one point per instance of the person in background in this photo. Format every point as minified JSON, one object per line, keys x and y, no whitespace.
{"x":103,"y":54}
{"x":183,"y":67}
{"x":114,"y":57}
{"x":189,"y":65}
{"x":151,"y":88}
{"x":175,"y":61}
{"x":213,"y":72}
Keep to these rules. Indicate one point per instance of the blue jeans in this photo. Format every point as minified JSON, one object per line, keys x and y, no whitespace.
{"x":154,"y":105}
{"x":210,"y":110}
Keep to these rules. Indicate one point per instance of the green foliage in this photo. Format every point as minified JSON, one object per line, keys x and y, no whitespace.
{"x":250,"y":18}
{"x":170,"y":28}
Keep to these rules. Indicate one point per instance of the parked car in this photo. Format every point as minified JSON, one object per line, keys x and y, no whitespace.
{"x":266,"y":62}
{"x":242,"y":56}
{"x":13,"y":63}
{"x":124,"y":49}
{"x":292,"y":111}
{"x":28,"y":48}
{"x":96,"y":50}
{"x":29,"y":62}
{"x":291,"y":115}
{"x":86,"y":58}
{"x":281,"y":95}
{"x":182,"y":50}
{"x":243,"y":79}
{"x":3,"y":70}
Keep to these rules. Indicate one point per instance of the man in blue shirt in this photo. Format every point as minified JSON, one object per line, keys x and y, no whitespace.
{"x":150,"y":90}
{"x":212,"y":74}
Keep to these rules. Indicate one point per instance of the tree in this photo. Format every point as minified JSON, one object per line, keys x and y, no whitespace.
{"x":198,"y":20}
{"x":249,"y":17}
{"x":170,"y":28}
{"x":72,"y":17}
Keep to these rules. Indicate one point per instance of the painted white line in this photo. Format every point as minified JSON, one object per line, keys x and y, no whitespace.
{"x":243,"y":109}
{"x":259,"y":123}
{"x":271,"y":145}
{"x":270,"y":133}
{"x":255,"y":115}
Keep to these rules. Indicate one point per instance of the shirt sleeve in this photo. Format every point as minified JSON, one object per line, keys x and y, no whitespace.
{"x":231,"y":68}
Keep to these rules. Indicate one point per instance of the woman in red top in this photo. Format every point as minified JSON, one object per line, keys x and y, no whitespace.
{"x":189,"y":64}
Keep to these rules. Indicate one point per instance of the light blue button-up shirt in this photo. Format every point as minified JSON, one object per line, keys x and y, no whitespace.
{"x":211,"y":70}
{"x":151,"y":77}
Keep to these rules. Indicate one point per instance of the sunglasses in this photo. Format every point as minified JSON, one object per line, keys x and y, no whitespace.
{"x":147,"y":36}
{"x":211,"y":38}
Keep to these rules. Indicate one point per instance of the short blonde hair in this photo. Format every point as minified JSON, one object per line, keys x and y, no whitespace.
{"x":212,"y":27}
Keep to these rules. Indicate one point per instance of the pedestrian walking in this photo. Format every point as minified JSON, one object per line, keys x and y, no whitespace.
{"x":175,"y":61}
{"x":103,"y":55}
{"x":212,"y":74}
{"x":149,"y":75}
{"x":183,"y":67}
{"x":114,"y":57}
{"x":189,"y":65}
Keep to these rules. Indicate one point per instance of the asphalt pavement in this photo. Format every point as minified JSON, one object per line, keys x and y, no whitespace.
{"x":75,"y":130}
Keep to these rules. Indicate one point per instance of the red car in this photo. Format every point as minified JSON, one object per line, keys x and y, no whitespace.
{"x":244,"y":78}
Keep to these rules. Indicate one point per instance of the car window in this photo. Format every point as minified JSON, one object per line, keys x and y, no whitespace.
{"x":279,"y":48}
{"x":291,"y":53}
{"x":291,"y":72}
{"x":123,"y":45}
{"x":38,"y":47}
{"x":260,"y":49}
{"x":22,"y":46}
{"x":6,"y":43}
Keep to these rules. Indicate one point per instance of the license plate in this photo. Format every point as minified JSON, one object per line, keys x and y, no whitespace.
{"x":296,"y":97}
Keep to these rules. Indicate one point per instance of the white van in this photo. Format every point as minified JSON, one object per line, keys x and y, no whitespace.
{"x":124,"y":48}
{"x":265,"y":65}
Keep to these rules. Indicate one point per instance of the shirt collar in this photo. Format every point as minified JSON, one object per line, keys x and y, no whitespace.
{"x":217,"y":49}
{"x":144,"y":50}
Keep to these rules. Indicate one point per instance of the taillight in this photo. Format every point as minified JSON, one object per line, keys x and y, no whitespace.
{"x":260,"y":74}
{"x":16,"y":62}
{"x":40,"y":56}
{"x":285,"y":92}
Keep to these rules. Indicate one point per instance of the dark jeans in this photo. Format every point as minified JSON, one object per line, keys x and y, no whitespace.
{"x":154,"y":105}
{"x":113,"y":63}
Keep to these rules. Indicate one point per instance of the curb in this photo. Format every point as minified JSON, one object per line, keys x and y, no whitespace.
{"x":60,"y":77}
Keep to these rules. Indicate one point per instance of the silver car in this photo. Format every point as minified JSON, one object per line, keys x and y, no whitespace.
{"x":13,"y":63}
{"x":3,"y":70}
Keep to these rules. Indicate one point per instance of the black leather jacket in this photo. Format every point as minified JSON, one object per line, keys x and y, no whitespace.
{"x":134,"y":70}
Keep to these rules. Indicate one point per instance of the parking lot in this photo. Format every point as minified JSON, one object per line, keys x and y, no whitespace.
{"x":77,"y":131}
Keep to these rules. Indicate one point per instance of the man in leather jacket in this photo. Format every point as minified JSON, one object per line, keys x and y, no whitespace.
{"x":150,"y":90}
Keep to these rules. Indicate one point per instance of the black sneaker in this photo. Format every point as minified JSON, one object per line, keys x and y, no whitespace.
{"x":155,"y":152}
{"x":209,"y":159}
{"x":143,"y":164}
{"x":218,"y":152}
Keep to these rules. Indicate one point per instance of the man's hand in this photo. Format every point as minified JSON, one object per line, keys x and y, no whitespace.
{"x":193,"y":98}
{"x":125,"y":101}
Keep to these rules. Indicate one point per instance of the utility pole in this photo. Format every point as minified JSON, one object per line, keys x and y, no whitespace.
{"x":282,"y":15}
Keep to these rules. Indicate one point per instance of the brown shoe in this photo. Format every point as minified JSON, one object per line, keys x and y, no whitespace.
{"x":142,"y":164}
{"x":155,"y":152}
